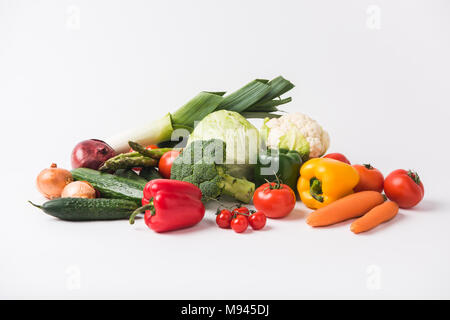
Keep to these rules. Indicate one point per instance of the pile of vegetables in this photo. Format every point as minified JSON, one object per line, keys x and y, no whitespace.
{"x":224,"y":156}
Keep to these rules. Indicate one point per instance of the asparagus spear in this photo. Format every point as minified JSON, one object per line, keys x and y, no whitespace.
{"x":114,"y":164}
{"x":151,"y":153}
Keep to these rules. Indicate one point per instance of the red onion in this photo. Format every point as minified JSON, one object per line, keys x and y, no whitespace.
{"x":91,"y":154}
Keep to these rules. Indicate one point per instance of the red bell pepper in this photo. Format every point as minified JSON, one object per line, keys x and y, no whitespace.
{"x":170,"y":205}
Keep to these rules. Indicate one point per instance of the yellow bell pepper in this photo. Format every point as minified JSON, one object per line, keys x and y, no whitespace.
{"x":323,"y":181}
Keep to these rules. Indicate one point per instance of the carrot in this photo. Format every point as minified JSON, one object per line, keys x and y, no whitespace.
{"x":382,"y":213}
{"x":352,"y":206}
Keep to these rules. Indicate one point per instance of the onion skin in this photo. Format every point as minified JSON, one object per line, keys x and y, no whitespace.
{"x":51,"y":181}
{"x":79,"y":189}
{"x":91,"y":154}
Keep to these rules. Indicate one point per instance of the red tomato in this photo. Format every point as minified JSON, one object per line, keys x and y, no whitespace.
{"x":338,"y":157}
{"x":257,"y":220}
{"x":223,"y":219}
{"x":404,"y":187}
{"x":274,"y":200}
{"x":165,"y":163}
{"x":370,"y":179}
{"x":239,"y":224}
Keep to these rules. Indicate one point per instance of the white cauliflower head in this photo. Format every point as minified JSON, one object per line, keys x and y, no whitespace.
{"x":290,"y":132}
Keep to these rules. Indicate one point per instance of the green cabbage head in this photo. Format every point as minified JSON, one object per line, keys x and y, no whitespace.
{"x":240,"y":136}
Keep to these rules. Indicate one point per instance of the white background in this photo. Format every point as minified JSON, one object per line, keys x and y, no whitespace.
{"x":72,"y":70}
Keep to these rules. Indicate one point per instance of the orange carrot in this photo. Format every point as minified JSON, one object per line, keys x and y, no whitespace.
{"x":382,"y":213}
{"x":352,"y":206}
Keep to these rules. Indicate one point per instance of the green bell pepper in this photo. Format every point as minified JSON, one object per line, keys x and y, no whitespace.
{"x":288,"y":163}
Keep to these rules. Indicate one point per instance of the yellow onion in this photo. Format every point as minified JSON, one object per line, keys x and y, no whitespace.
{"x":51,"y":181}
{"x":79,"y":189}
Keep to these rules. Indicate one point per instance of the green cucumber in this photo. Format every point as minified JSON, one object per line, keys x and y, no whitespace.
{"x":111,"y":186}
{"x":130,"y":174}
{"x":81,"y":209}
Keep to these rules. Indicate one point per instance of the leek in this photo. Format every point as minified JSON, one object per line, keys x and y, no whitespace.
{"x":257,"y":99}
{"x":196,"y":109}
{"x":153,"y":132}
{"x":248,"y":95}
{"x":269,"y":106}
{"x":278,"y":86}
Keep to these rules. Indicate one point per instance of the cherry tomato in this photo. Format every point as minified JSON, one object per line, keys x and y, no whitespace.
{"x":404,"y":187}
{"x":239,"y":224}
{"x":257,"y":220}
{"x":165,"y":163}
{"x":223,"y":219}
{"x":370,"y":179}
{"x":338,"y":157}
{"x":274,"y":200}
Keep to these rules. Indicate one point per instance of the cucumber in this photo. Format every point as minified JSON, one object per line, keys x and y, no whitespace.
{"x":111,"y":186}
{"x":130,"y":174}
{"x":81,"y":209}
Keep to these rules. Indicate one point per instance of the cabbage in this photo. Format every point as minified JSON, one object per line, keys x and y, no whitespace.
{"x":240,"y":136}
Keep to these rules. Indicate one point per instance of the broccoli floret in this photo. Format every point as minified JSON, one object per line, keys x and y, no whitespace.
{"x":201,"y":163}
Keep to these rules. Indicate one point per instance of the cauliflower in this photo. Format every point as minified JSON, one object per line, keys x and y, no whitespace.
{"x":296,"y":131}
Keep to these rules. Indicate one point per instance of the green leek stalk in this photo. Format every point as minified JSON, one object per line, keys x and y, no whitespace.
{"x":257,"y":99}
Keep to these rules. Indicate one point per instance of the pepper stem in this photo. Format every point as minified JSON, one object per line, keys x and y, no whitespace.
{"x":316,"y":189}
{"x":141,"y":210}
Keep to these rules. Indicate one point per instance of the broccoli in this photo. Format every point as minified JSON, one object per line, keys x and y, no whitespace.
{"x":202,"y":163}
